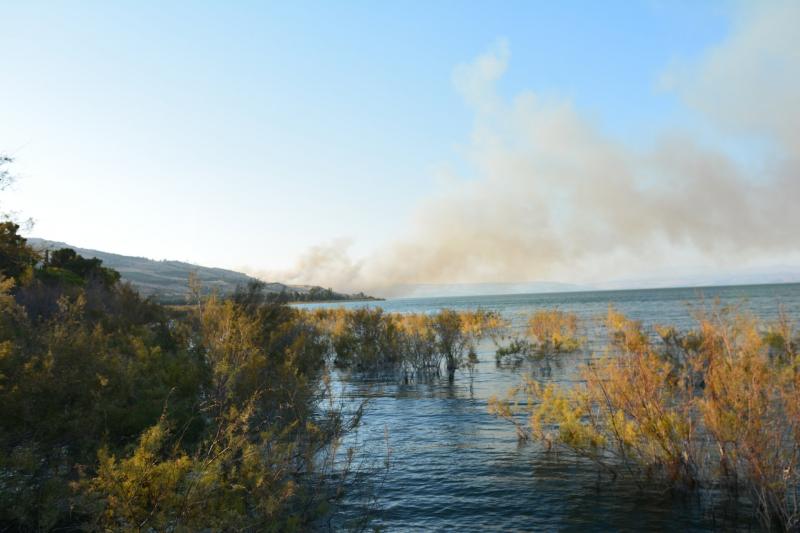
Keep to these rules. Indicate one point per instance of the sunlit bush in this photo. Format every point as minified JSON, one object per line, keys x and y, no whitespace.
{"x":554,"y":330}
{"x":548,"y":333}
{"x":718,"y":406}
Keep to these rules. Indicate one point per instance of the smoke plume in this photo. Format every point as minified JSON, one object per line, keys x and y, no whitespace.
{"x":551,"y":197}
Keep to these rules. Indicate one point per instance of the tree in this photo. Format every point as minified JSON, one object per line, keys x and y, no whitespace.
{"x":16,"y":256}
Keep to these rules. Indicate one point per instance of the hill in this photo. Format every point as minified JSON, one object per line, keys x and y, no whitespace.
{"x":167,"y":281}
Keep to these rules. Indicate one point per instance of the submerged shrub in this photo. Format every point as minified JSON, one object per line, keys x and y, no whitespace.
{"x":420,"y":346}
{"x":549,"y":333}
{"x":714,"y":407}
{"x":555,"y":331}
{"x":368,"y":339}
{"x":517,"y":350}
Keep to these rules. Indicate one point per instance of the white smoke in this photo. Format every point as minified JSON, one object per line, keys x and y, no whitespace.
{"x":554,"y":198}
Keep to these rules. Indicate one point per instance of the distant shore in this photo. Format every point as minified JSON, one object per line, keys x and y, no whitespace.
{"x":367,"y":299}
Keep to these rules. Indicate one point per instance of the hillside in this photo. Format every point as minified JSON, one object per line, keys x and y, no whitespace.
{"x":167,"y":281}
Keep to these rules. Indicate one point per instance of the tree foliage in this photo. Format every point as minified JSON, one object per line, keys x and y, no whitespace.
{"x":117,"y":413}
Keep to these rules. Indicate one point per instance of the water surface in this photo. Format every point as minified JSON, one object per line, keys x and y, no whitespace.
{"x":455,"y":467}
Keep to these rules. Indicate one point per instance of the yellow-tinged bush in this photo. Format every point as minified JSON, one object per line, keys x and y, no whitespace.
{"x":234,"y":480}
{"x":554,"y":330}
{"x":717,"y":406}
{"x":548,"y":333}
{"x":119,"y":414}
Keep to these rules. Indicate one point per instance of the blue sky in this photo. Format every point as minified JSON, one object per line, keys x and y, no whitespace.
{"x":240,"y":134}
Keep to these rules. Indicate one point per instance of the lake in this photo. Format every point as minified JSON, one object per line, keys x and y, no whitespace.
{"x":455,"y":467}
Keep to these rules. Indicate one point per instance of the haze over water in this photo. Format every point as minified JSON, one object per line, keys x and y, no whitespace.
{"x":456,"y":467}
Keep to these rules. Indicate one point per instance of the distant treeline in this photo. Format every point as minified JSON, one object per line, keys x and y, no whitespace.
{"x":315,"y":294}
{"x":318,"y":294}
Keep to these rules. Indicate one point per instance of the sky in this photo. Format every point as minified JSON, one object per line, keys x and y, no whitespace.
{"x":359,"y":144}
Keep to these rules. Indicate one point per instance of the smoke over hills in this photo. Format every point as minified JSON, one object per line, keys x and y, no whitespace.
{"x":555,"y":198}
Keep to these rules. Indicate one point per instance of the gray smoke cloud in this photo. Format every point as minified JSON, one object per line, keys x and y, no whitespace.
{"x":551,"y":197}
